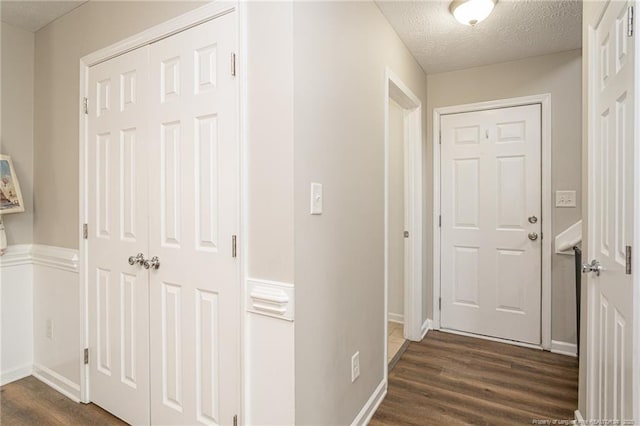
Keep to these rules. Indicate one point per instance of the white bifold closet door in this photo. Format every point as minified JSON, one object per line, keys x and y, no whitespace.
{"x":163,"y":179}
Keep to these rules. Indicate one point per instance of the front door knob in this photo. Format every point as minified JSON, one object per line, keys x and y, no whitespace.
{"x":154,"y":263}
{"x":533,"y":236}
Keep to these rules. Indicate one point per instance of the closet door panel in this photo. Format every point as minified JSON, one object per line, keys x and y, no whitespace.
{"x":193,"y":162}
{"x":117,"y":223}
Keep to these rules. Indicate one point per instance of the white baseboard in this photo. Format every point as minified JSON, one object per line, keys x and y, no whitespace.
{"x":397,"y":318}
{"x":426,"y":326}
{"x":63,"y":385}
{"x":364,"y":416}
{"x":579,"y":419}
{"x":15,"y":374}
{"x":564,"y":348}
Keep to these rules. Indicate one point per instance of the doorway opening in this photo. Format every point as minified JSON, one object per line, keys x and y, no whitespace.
{"x":403,"y":218}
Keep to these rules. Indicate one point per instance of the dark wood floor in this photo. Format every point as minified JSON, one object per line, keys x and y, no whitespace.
{"x":30,"y":402}
{"x":450,"y":379}
{"x":444,"y":380}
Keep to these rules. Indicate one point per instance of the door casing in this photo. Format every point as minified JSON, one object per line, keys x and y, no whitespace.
{"x":190,"y":19}
{"x":545,"y":101}
{"x":414,"y":327}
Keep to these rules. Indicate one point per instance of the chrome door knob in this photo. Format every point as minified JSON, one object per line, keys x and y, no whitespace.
{"x":533,"y":236}
{"x":139,"y":258}
{"x":594,"y":266}
{"x":154,"y":263}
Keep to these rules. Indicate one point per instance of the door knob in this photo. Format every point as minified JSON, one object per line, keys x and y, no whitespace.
{"x":594,"y":266}
{"x":139,"y":258}
{"x":533,"y":236}
{"x":154,"y":263}
{"x":532,"y":219}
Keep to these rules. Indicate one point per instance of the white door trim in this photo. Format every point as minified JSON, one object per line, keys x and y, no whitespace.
{"x":183,"y":22}
{"x":545,"y":101}
{"x":396,"y":90}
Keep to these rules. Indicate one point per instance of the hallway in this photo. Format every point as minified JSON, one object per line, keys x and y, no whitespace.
{"x":452,"y":379}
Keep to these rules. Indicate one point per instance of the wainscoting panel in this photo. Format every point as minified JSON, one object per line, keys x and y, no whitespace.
{"x":16,"y":295}
{"x":270,"y":362}
{"x":41,"y":316}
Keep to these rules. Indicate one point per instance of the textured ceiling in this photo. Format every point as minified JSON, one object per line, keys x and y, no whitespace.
{"x":33,"y":15}
{"x":516,"y":29}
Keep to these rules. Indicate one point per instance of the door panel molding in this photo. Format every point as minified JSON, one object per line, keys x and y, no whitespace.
{"x":544,"y":100}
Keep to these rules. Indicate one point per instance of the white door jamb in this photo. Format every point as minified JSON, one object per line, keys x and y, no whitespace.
{"x":396,"y":90}
{"x":545,"y":101}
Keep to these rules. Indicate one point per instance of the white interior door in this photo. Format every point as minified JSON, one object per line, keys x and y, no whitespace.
{"x":194,"y":199}
{"x":117,"y":210}
{"x":611,"y":218}
{"x":491,"y":223}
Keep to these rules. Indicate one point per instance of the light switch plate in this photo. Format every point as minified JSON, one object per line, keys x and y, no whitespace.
{"x":316,"y":198}
{"x":565,"y":198}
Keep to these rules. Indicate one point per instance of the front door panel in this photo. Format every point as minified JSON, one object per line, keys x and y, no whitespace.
{"x":491,"y":250}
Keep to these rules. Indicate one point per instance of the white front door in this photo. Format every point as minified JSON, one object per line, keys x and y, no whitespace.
{"x":117,"y":211}
{"x":194,"y":199}
{"x":611,"y":218}
{"x":163,"y":168}
{"x":491,"y":249}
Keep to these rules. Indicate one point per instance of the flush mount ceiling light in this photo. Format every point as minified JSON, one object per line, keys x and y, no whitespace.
{"x":470,"y":12}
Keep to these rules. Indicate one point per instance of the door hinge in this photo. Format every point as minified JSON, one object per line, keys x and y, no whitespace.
{"x":630,"y":22}
{"x":86,"y":355}
{"x":85,"y":231}
{"x":235,"y":420}
{"x":440,"y":221}
{"x":233,"y":64}
{"x":234,"y":246}
{"x":627,"y":260}
{"x":440,"y":303}
{"x":85,"y":105}
{"x":406,"y":234}
{"x":440,"y":138}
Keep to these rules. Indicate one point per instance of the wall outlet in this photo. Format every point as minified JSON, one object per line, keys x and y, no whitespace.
{"x":565,"y":198}
{"x":355,"y":366}
{"x":49,"y":328}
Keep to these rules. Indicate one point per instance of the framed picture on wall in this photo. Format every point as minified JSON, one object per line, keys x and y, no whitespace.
{"x":10,"y":195}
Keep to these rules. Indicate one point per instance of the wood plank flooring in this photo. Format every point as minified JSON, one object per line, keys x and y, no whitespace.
{"x":444,"y":380}
{"x":451,"y":379}
{"x":30,"y":402}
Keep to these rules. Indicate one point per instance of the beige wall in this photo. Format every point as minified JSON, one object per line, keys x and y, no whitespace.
{"x":395,"y":289}
{"x":269,"y":120}
{"x":16,"y":127}
{"x":560,"y":75}
{"x":341,"y":50}
{"x":58,"y":49}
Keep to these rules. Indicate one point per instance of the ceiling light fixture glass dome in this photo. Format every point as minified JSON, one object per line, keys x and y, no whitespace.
{"x":470,"y":12}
